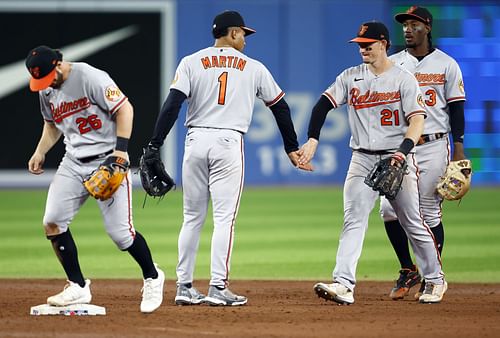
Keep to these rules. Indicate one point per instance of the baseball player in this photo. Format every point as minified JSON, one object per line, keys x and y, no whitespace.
{"x":442,"y":87}
{"x":220,"y":83}
{"x":86,"y":106}
{"x":386,"y":118}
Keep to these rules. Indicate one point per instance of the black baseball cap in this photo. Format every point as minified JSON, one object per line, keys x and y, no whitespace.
{"x":372,"y":31}
{"x":229,"y":19}
{"x":41,"y":63}
{"x":415,"y":13}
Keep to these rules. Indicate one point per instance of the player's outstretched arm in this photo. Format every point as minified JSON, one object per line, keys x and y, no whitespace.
{"x":307,"y":151}
{"x":318,"y":116}
{"x":50,"y":135}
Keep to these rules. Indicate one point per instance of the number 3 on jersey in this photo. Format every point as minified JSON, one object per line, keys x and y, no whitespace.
{"x":222,"y":88}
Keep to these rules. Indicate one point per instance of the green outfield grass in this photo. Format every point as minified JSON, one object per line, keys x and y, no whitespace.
{"x":281,"y":233}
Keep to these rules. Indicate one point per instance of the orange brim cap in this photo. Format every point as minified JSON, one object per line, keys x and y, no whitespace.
{"x":42,"y":83}
{"x":363,"y":40}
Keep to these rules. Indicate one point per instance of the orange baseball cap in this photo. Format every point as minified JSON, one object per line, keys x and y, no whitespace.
{"x":372,"y":32}
{"x":41,"y":63}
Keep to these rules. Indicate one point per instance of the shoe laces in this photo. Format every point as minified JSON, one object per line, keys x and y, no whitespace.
{"x":195,"y":293}
{"x":70,"y":289}
{"x":149,"y":288}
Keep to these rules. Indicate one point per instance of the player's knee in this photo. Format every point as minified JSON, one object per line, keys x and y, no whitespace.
{"x":52,"y":229}
{"x":122,"y":238}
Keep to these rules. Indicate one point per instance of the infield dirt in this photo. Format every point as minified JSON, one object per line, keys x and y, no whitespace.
{"x":274,"y":309}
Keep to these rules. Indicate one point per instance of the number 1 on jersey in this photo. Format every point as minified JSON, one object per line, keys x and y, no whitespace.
{"x":222,"y":88}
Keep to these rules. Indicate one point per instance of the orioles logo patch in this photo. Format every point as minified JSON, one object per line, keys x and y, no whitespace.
{"x":420,"y":101}
{"x":35,"y":72}
{"x":112,"y":93}
{"x":362,"y":30}
{"x":411,"y":9}
{"x":461,"y":86}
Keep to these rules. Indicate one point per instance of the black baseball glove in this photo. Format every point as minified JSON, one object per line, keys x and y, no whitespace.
{"x":386,"y":178}
{"x":154,"y":178}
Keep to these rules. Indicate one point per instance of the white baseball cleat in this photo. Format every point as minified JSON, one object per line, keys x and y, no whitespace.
{"x":152,"y":292}
{"x":72,"y":294}
{"x":433,"y":293}
{"x":335,"y":292}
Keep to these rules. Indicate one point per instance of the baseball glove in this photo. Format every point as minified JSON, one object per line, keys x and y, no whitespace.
{"x":104,"y":181}
{"x":154,"y":178}
{"x":456,"y":180}
{"x":386,"y":178}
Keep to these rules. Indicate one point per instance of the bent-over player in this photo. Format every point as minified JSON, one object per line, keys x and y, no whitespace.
{"x":441,"y":84}
{"x":86,"y":106}
{"x":220,"y":83}
{"x":386,"y":117}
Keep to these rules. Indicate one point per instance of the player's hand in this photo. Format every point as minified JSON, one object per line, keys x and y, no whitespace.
{"x":398,"y":159}
{"x":307,"y":151}
{"x":35,"y":164}
{"x":294,"y":158}
{"x":121,"y":154}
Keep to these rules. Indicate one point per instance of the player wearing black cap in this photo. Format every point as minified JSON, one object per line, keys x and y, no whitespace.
{"x":442,"y":87}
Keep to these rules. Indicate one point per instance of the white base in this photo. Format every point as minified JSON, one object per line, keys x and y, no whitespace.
{"x":70,"y":310}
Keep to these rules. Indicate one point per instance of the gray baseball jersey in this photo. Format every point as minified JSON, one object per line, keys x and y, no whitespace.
{"x":378,"y":117}
{"x":440,"y":81}
{"x":379,"y":108}
{"x":82,"y":109}
{"x":220,"y":81}
{"x":221,"y":85}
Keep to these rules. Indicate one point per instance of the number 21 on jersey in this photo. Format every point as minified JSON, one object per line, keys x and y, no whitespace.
{"x":389,"y":117}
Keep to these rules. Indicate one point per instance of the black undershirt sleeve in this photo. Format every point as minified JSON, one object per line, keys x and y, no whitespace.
{"x":318,"y":116}
{"x":457,"y":120}
{"x":281,"y":113}
{"x":167,"y":117}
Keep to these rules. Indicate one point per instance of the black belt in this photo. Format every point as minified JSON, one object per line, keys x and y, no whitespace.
{"x":374,"y":152}
{"x":430,"y":137}
{"x":94,"y":157}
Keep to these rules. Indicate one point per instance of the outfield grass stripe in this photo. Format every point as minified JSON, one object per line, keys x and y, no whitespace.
{"x":281,"y":233}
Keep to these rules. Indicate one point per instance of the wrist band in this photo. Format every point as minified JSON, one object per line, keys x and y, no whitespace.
{"x":121,"y":143}
{"x":406,"y":146}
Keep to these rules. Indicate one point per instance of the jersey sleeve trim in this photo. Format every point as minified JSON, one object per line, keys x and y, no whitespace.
{"x":118,"y":105}
{"x":453,"y":99}
{"x":331,"y":99}
{"x":276,"y":99}
{"x":416,"y":112}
